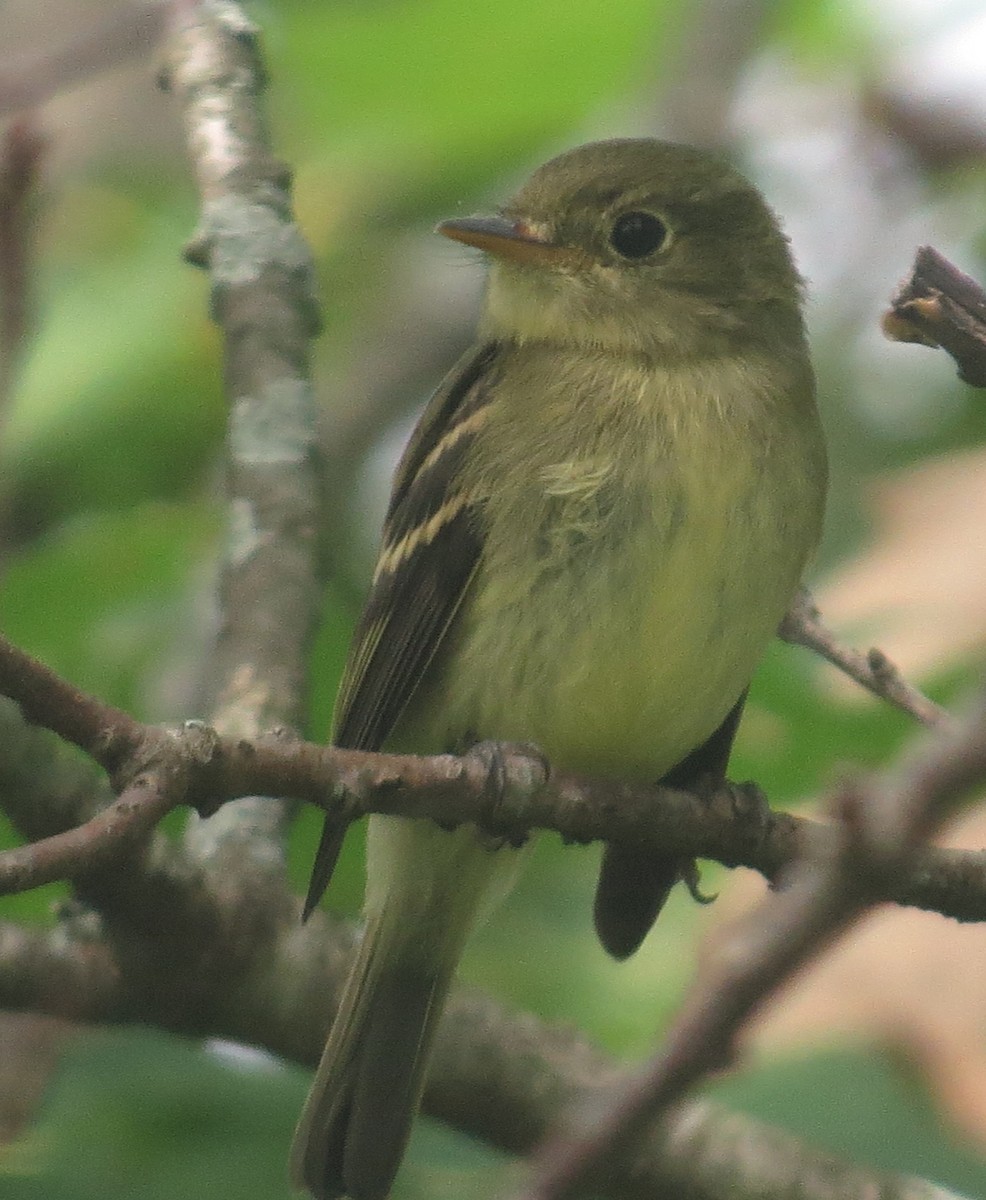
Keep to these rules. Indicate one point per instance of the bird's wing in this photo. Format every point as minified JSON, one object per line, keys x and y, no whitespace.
{"x":431,"y":545}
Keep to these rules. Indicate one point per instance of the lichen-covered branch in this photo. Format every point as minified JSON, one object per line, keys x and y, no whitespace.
{"x":263,"y":298}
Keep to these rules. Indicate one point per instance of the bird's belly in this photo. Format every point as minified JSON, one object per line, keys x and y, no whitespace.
{"x":624,"y":664}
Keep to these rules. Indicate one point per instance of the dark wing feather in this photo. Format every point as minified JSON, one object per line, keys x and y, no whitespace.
{"x":431,"y":545}
{"x":402,"y":626}
{"x":453,"y":399}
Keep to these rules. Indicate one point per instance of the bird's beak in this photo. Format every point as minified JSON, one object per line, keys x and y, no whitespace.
{"x":513,"y":240}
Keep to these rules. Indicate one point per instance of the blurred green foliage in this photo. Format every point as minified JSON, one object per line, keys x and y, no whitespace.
{"x":390,"y":112}
{"x":863,"y":1108}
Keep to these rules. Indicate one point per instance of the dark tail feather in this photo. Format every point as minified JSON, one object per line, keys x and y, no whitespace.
{"x":633,"y":885}
{"x":366,"y":1092}
{"x":319,"y":1139}
{"x":394,"y":1054}
{"x":326,"y":857}
{"x":632,"y":889}
{"x":357,"y":1120}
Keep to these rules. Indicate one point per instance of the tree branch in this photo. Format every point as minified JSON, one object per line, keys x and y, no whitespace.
{"x":157,"y":769}
{"x":107,"y":734}
{"x":74,"y":852}
{"x":264,"y":299}
{"x":699,"y":80}
{"x":939,"y":306}
{"x":44,"y":971}
{"x":501,"y":1076}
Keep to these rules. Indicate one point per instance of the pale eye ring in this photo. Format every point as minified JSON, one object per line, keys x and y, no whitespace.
{"x":637,"y":234}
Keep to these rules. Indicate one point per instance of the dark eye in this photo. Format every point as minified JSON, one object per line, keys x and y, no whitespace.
{"x":637,"y":234}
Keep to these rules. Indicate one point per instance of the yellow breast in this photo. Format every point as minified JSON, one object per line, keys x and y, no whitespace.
{"x":627,"y":590}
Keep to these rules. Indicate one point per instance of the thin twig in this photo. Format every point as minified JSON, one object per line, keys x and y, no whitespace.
{"x":150,"y":784}
{"x":803,"y":626}
{"x":106,"y":733}
{"x":113,"y":831}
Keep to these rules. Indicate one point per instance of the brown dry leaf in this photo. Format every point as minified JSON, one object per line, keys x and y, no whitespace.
{"x":911,"y":981}
{"x":919,"y":591}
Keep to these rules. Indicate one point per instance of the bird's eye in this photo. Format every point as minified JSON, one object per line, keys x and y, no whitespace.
{"x":637,"y":234}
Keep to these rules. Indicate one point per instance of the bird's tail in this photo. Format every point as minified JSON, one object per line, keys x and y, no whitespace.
{"x":425,"y":887}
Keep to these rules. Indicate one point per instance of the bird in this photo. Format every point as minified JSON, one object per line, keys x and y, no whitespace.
{"x":595,"y":529}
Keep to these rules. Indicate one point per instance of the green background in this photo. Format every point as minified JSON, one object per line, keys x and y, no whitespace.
{"x":392,"y":113}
